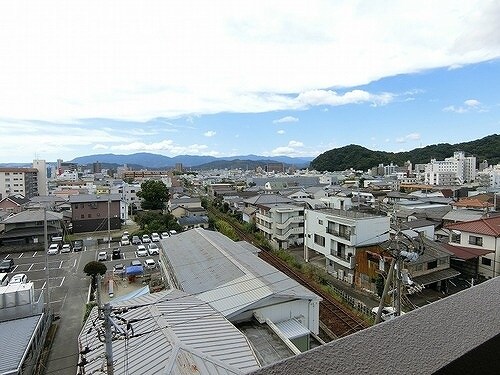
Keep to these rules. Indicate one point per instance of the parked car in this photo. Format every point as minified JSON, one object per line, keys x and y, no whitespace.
{"x":118,"y":269}
{"x":125,"y":241}
{"x":165,"y":235}
{"x":116,"y":254}
{"x":53,"y":249}
{"x":136,"y":240}
{"x":135,"y":262}
{"x":155,"y":237}
{"x":102,"y":256}
{"x":7,"y":265}
{"x":77,"y":245}
{"x":172,"y":232}
{"x":150,"y":264}
{"x":20,"y":278}
{"x":66,"y":248}
{"x":141,"y":251}
{"x":146,"y":239}
{"x":4,"y":279}
{"x":388,"y":312}
{"x":153,"y":249}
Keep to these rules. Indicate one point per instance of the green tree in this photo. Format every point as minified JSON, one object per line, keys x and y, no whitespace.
{"x":154,"y":194}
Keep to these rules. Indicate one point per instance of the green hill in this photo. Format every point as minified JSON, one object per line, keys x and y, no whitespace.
{"x":361,"y":158}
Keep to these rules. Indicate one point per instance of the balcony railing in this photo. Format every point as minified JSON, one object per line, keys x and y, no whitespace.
{"x":342,"y":234}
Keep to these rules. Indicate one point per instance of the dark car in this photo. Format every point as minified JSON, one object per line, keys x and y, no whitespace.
{"x":116,"y":254}
{"x":78,"y":245}
{"x":7,"y":265}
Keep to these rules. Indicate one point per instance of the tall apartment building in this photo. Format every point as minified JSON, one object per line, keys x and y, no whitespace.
{"x":23,"y":181}
{"x":455,"y":170}
{"x":41,"y":167}
{"x":337,"y":234}
{"x":281,"y":224}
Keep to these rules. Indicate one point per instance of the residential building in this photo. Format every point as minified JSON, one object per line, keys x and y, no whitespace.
{"x":490,"y":177}
{"x":336,"y":235}
{"x":184,"y":202}
{"x":478,"y":236}
{"x":97,"y":212}
{"x":13,"y":204}
{"x":191,"y":222}
{"x":27,"y":227}
{"x":19,"y":181}
{"x":41,"y":167}
{"x":281,"y":224}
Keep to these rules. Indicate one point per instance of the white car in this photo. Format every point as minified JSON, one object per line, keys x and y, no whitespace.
{"x":165,"y":235}
{"x":146,"y":239}
{"x":149,"y":264}
{"x":118,"y":269}
{"x":102,"y":256}
{"x":153,"y":249}
{"x":155,"y":237}
{"x":141,"y":251}
{"x":66,"y":248}
{"x":125,"y":241}
{"x":20,"y":278}
{"x":53,"y":249}
{"x":388,"y":313}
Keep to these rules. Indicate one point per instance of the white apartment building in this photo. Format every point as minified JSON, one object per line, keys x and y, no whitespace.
{"x":128,"y":193}
{"x":22,"y":181}
{"x":455,"y":170}
{"x":41,"y":167}
{"x":281,"y":224}
{"x":336,"y":234}
{"x":490,"y":176}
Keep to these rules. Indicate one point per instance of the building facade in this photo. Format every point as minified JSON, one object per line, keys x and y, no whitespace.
{"x":91,"y":213}
{"x":23,"y":181}
{"x":282,"y":225}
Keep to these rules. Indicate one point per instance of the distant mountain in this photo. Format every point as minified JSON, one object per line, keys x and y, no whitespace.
{"x":361,"y":158}
{"x":155,"y":161}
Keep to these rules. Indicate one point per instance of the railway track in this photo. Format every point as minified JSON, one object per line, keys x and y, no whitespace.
{"x":339,"y":320}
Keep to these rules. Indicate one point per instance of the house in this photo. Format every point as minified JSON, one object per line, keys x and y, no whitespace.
{"x":196,"y":221}
{"x":476,"y":237}
{"x":336,"y":235}
{"x":13,"y":204}
{"x":184,"y":202}
{"x":27,"y":227}
{"x":281,"y":224}
{"x":169,"y":332}
{"x":91,"y":212}
{"x":230,"y":277}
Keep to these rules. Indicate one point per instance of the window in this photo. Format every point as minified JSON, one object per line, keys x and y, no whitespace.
{"x":340,"y":250}
{"x":320,"y":222}
{"x":473,"y":240}
{"x":82,"y":216}
{"x":486,"y":261}
{"x":432,"y":265}
{"x":89,"y":216}
{"x":319,"y":240}
{"x":455,"y":237}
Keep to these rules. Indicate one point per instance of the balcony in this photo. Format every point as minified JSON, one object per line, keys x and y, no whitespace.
{"x":291,"y":220}
{"x":288,"y":233}
{"x":341,"y":234}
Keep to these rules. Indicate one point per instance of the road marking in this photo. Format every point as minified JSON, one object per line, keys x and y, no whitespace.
{"x":74,"y":263}
{"x":60,"y":264}
{"x":30,"y":267}
{"x":7,"y":256}
{"x":43,"y":286}
{"x":62,"y":281}
{"x":20,"y":256}
{"x":34,"y":254}
{"x":15,"y":267}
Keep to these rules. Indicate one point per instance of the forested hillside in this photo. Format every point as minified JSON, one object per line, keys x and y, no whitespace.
{"x":361,"y":158}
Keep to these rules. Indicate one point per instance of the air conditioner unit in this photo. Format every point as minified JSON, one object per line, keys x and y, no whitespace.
{"x":341,"y":274}
{"x":350,"y":278}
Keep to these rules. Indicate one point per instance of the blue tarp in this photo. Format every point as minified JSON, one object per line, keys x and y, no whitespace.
{"x":134,"y":270}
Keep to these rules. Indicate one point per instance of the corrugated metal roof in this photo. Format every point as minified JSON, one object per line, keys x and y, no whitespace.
{"x":30,"y":216}
{"x":15,"y":336}
{"x":436,"y":276}
{"x":176,"y":334}
{"x":488,"y":226}
{"x":463,"y":215}
{"x":292,"y":328}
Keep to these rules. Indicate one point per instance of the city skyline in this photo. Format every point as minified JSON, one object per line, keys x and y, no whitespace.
{"x":235,"y":78}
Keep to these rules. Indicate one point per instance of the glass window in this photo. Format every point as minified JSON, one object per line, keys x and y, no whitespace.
{"x":474,"y":240}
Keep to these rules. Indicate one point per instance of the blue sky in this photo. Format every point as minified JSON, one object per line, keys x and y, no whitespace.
{"x":248,"y":79}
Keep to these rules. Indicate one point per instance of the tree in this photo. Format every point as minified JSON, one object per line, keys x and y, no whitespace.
{"x":93,"y":269}
{"x":154,"y":194}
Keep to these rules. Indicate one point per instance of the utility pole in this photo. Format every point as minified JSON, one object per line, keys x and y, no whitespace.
{"x":109,"y":221}
{"x":108,"y":339}
{"x":46,"y":244}
{"x":98,"y":286}
{"x":386,"y":290}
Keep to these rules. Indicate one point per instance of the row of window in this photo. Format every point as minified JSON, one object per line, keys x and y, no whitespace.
{"x":473,"y":240}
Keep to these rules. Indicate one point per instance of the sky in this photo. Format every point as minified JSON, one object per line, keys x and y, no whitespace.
{"x":226,"y":78}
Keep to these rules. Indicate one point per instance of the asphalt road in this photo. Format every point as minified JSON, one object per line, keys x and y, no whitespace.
{"x":69,"y":300}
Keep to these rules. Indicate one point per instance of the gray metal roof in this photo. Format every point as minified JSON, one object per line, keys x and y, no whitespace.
{"x":226,"y":274}
{"x":176,"y":333}
{"x":83,"y":198}
{"x":15,"y":336}
{"x":30,"y":216}
{"x":463,"y":215}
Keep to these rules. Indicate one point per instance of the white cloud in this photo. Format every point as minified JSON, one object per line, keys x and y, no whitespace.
{"x":408,"y":137}
{"x":166,"y":146}
{"x":281,"y":131}
{"x":470,"y":105}
{"x":295,"y":144}
{"x":286,"y":119}
{"x":100,"y":147}
{"x":209,"y":133}
{"x":130,"y":75}
{"x":294,"y":148}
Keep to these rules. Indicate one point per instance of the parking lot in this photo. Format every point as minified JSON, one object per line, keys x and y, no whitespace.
{"x":128,"y":253}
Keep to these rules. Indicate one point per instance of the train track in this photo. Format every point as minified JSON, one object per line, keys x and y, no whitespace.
{"x":339,"y":320}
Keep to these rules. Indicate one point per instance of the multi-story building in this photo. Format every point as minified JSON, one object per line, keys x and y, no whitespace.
{"x":96,"y":212}
{"x":41,"y":167}
{"x":281,"y":224}
{"x":455,"y":170}
{"x":490,"y":177}
{"x":23,"y":181}
{"x":336,"y":234}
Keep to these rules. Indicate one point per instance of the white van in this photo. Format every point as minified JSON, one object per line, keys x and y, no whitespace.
{"x":4,"y":279}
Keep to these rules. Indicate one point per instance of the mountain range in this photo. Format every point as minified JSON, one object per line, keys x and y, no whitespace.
{"x":361,"y":158}
{"x":155,"y":161}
